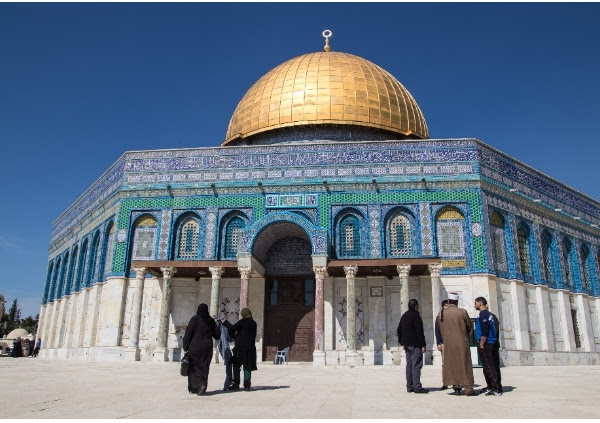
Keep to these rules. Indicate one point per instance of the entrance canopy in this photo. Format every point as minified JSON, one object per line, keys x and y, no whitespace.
{"x":381,"y":267}
{"x":190,"y":268}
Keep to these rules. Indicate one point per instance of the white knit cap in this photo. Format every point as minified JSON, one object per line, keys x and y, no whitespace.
{"x":453,"y":296}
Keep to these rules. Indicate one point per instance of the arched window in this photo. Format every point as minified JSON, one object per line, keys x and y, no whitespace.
{"x":450,"y":231}
{"x":91,"y":268}
{"x":57,"y":270}
{"x":547,"y":256}
{"x":233,"y":233}
{"x":187,"y":247}
{"x":107,"y":251}
{"x":523,"y":244}
{"x":69,"y":287}
{"x":62,"y":277}
{"x":144,"y":238}
{"x":498,"y":225}
{"x":81,"y":266}
{"x":399,"y":236}
{"x":566,"y":258}
{"x":48,"y":282}
{"x":584,"y":253}
{"x":349,"y":240}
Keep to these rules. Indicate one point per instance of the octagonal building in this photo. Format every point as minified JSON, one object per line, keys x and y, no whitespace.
{"x":326,"y":207}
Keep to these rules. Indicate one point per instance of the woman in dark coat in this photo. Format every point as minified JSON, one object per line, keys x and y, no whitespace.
{"x":244,"y":352}
{"x":17,"y":350}
{"x":197,"y":341}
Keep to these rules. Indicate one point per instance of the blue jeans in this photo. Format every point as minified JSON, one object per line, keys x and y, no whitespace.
{"x":228,"y":373}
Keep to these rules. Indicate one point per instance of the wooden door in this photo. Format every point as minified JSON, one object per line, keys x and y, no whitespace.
{"x":289,"y":317}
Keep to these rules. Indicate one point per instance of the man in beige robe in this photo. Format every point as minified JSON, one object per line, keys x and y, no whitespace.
{"x":455,"y":326}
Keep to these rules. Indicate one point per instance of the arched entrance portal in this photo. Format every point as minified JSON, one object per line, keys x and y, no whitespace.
{"x":289,"y":293}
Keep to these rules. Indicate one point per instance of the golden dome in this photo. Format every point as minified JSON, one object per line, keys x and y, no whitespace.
{"x":327,"y":88}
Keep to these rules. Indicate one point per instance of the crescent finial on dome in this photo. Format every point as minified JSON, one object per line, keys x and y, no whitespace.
{"x":327,"y":33}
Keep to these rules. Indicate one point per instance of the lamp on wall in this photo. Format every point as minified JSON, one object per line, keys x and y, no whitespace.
{"x":260,"y":187}
{"x":170,"y":191}
{"x":214,"y":189}
{"x":326,"y":187}
{"x":375,"y":185}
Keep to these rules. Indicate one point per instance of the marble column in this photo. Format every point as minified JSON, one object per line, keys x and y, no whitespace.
{"x":161,"y":352}
{"x":244,"y":276}
{"x":216,"y":273}
{"x":319,"y":353}
{"x":132,"y":352}
{"x":435,"y":270}
{"x":351,"y":354}
{"x":403,"y":272}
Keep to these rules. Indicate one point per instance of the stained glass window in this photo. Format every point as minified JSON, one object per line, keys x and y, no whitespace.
{"x":547,"y":255}
{"x":233,"y":233}
{"x":144,"y":239}
{"x":399,"y":236}
{"x":349,"y":237}
{"x":188,"y":239}
{"x":523,"y":244}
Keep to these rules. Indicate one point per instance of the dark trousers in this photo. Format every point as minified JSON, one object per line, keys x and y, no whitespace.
{"x":490,"y":361}
{"x":237,"y":366}
{"x":414,"y":364}
{"x":228,"y":373}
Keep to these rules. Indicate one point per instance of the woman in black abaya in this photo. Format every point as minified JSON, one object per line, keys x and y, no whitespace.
{"x":197,"y":341}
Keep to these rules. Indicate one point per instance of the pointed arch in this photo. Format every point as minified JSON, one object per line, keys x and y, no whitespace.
{"x":547,"y":256}
{"x":524,"y":247}
{"x":63,"y":276}
{"x":145,"y":231}
{"x":72,"y":266}
{"x":349,"y":234}
{"x":498,"y":235}
{"x":93,"y":260}
{"x":399,"y":236}
{"x":107,"y":249}
{"x":584,"y":257}
{"x":567,"y":265}
{"x":450,"y":234}
{"x":232,"y":228}
{"x":48,"y":282}
{"x":187,"y":242}
{"x":57,"y":270}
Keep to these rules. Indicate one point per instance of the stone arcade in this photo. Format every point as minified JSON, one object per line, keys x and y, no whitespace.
{"x":326,"y":208}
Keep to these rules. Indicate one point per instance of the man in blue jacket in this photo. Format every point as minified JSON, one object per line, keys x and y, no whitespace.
{"x":412,"y":338}
{"x":486,"y":333}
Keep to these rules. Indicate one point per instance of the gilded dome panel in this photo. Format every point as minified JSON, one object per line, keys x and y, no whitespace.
{"x":327,"y":88}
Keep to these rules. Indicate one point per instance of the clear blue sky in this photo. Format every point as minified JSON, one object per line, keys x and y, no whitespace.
{"x":82,"y":83}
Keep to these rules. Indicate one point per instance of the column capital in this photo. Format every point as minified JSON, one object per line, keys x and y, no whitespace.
{"x":168,"y":272}
{"x":245,"y":271}
{"x":435,"y":269}
{"x":216,"y":271}
{"x":140,"y":272}
{"x":350,"y":271}
{"x":403,"y":270}
{"x":320,"y":271}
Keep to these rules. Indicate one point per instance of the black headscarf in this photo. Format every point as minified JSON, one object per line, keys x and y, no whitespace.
{"x":203,"y":313}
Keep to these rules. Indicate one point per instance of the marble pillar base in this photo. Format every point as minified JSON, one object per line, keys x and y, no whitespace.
{"x":319,"y":358}
{"x":351,"y":358}
{"x":131,"y":354}
{"x":436,"y":358}
{"x":160,"y":355}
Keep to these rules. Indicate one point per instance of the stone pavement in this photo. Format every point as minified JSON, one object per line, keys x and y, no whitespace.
{"x":42,"y":388}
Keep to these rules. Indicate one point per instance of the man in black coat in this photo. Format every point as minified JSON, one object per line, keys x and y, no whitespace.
{"x":412,"y":337}
{"x":244,"y":352}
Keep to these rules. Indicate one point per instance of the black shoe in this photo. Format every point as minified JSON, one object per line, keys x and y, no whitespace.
{"x":494,"y":393}
{"x":484,"y":391}
{"x":457,"y":390}
{"x":421,"y":391}
{"x":246,"y":386}
{"x":410,"y":390}
{"x":234,"y":386}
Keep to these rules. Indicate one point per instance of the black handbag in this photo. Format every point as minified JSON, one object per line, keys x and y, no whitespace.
{"x":185,"y":364}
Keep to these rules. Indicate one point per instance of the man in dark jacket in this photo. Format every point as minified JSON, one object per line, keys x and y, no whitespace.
{"x":412,"y":338}
{"x":244,"y":352}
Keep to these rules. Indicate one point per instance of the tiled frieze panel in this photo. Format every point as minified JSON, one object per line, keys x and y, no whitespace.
{"x":127,"y":205}
{"x":426,"y":228}
{"x":375,"y":230}
{"x":310,"y":214}
{"x":504,"y":169}
{"x":211,"y":233}
{"x":165,"y":233}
